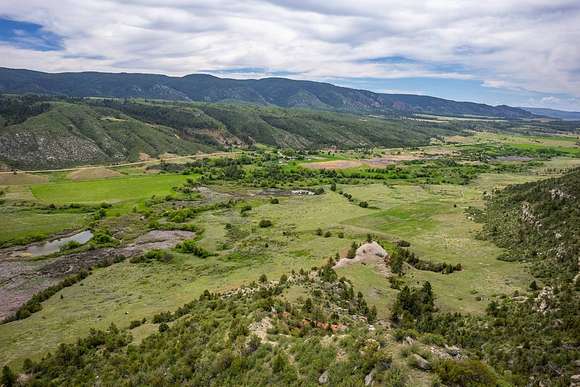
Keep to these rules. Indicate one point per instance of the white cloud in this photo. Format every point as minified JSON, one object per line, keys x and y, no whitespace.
{"x":515,"y":44}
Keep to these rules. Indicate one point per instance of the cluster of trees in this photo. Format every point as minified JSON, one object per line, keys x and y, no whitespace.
{"x":401,"y":255}
{"x":153,"y":255}
{"x":17,"y":109}
{"x":191,"y":247}
{"x":538,"y":222}
{"x":413,"y":305}
{"x":183,"y":214}
{"x":487,"y":152}
{"x":266,"y":171}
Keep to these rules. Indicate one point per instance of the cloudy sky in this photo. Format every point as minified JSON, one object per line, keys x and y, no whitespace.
{"x":518,"y":52}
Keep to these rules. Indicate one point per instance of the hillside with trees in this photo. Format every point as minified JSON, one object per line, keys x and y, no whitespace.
{"x":39,"y":132}
{"x":535,"y":336}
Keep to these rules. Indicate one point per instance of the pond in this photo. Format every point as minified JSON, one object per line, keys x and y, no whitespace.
{"x":55,"y":245}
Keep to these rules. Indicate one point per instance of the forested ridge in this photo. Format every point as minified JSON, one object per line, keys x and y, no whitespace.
{"x":42,"y":132}
{"x":279,"y":92}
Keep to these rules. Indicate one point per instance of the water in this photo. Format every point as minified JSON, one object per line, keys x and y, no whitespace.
{"x":55,"y":245}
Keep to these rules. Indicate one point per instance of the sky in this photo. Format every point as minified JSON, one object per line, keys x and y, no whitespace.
{"x":515,"y":52}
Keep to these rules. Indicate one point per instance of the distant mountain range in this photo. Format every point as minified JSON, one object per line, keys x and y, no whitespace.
{"x":279,"y":92}
{"x":553,"y":113}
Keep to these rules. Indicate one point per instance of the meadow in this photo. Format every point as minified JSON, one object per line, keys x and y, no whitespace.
{"x":24,"y":216}
{"x":431,"y":217}
{"x":111,"y":190}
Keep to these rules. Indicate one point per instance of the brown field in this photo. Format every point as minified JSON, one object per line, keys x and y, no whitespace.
{"x":92,"y":174}
{"x":337,"y":164}
{"x":22,"y":179}
{"x":375,"y":162}
{"x":390,"y":159}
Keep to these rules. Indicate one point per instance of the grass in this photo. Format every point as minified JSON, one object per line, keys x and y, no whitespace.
{"x":423,"y":215}
{"x":28,"y":223}
{"x":107,"y":190}
{"x":431,"y":217}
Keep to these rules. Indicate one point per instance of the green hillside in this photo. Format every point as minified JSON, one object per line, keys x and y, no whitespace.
{"x":534,"y":336}
{"x":62,"y":132}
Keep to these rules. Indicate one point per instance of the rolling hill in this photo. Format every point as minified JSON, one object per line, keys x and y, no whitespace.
{"x":40,"y":133}
{"x":279,"y":92}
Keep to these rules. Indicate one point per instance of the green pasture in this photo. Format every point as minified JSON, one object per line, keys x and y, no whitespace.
{"x":23,"y":224}
{"x":111,"y":190}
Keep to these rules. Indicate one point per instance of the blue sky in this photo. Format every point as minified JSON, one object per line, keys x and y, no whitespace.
{"x":29,"y":36}
{"x":516,"y":52}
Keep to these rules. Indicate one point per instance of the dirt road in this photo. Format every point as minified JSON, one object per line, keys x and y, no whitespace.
{"x":153,"y":161}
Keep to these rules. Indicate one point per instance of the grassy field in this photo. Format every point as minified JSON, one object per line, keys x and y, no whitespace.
{"x":430,"y":217}
{"x":106,"y":190}
{"x":29,"y":223}
{"x":22,"y":222}
{"x":425,"y":216}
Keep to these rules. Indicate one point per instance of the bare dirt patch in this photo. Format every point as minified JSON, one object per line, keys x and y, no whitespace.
{"x":22,"y":178}
{"x":144,"y":156}
{"x":93,"y":174}
{"x":221,"y":136}
{"x":369,"y":253}
{"x":390,"y":159}
{"x":112,"y":119}
{"x":376,"y":162}
{"x":335,"y":164}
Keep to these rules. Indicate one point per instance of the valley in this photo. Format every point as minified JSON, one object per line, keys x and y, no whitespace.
{"x":260,"y":212}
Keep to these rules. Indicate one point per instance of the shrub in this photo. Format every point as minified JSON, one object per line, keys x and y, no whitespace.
{"x":319,"y":231}
{"x":8,"y":377}
{"x":340,"y":234}
{"x":327,"y":234}
{"x":253,"y":344}
{"x":431,"y":338}
{"x":102,"y":238}
{"x":153,"y":255}
{"x":265,"y":223}
{"x":465,"y":373}
{"x":400,"y":334}
{"x":352,"y":251}
{"x":395,"y":377}
{"x":163,"y":327}
{"x":403,"y":243}
{"x":190,"y":247}
{"x":263,"y":278}
{"x":274,"y":201}
{"x":363,"y":204}
{"x":70,"y":246}
{"x":100,"y":214}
